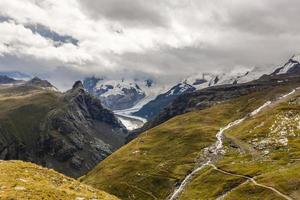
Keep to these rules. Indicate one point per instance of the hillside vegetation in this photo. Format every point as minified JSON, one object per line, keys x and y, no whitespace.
{"x":152,"y":165}
{"x":21,"y":180}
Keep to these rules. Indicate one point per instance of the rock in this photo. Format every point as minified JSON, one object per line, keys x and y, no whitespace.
{"x":20,"y":188}
{"x":76,"y":162}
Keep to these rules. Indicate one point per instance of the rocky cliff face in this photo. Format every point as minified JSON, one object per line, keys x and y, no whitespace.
{"x":69,"y":132}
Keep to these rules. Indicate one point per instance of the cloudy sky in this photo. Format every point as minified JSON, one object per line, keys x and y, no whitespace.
{"x":65,"y":40}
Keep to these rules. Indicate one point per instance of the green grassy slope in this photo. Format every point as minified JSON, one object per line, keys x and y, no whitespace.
{"x":150,"y":166}
{"x":21,"y":180}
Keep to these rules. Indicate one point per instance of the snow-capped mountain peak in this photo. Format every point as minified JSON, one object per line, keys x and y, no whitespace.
{"x":116,"y":94}
{"x":296,"y":58}
{"x":204,"y":80}
{"x":115,"y":87}
{"x":292,"y":66}
{"x":180,"y":89}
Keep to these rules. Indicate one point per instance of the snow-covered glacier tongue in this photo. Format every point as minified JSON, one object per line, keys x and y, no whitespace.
{"x":125,"y":96}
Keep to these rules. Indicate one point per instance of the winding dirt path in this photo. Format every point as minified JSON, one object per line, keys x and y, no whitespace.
{"x":252,"y":180}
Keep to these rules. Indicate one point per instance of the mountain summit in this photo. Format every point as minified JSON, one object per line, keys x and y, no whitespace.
{"x":78,"y":84}
{"x":37,"y":82}
{"x":291,"y":67}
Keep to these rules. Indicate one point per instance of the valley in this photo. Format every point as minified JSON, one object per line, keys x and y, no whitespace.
{"x":149,"y":100}
{"x":165,"y":154}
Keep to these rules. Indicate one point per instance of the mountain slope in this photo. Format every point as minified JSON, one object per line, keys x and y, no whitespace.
{"x":70,"y":132}
{"x":152,"y":165}
{"x":21,"y":180}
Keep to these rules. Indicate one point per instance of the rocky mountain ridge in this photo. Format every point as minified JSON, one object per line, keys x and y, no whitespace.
{"x":70,"y":132}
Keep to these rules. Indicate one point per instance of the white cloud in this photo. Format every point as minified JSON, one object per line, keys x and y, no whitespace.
{"x":17,"y":40}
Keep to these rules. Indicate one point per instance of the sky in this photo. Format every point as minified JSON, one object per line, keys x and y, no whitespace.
{"x":67,"y":40}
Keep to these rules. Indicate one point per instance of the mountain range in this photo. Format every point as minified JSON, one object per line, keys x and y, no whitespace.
{"x":146,"y":98}
{"x":209,"y":136}
{"x":233,"y":141}
{"x":16,"y":75}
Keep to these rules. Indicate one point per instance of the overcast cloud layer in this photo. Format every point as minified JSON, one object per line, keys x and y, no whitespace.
{"x":167,"y":39}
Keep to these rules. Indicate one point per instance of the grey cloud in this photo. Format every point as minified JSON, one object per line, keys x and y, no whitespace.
{"x":26,"y":64}
{"x":176,"y":63}
{"x":4,"y":18}
{"x":128,"y":12}
{"x":52,"y":35}
{"x":273,"y":17}
{"x":45,"y":32}
{"x":62,"y":77}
